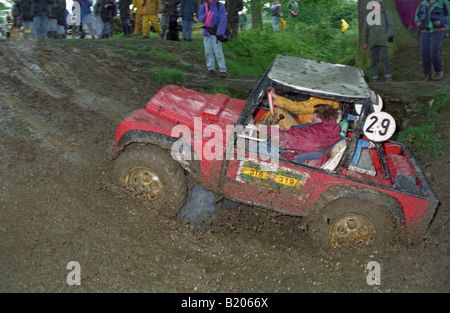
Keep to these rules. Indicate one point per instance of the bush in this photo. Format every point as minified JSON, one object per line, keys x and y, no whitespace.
{"x":251,"y":53}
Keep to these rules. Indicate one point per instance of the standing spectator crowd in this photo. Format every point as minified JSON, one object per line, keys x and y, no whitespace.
{"x":49,"y":19}
{"x":40,"y":19}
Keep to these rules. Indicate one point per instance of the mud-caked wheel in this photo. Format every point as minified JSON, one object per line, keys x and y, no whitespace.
{"x":151,"y":171}
{"x":353,"y":223}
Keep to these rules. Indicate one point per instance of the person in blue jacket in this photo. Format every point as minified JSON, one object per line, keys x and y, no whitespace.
{"x":431,"y":19}
{"x":213,"y":15}
{"x":86,"y":18}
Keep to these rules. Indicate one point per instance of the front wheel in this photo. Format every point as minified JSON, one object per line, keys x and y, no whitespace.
{"x":151,"y":171}
{"x":354,"y":223}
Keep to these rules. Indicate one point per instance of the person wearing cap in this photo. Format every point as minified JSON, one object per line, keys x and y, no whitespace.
{"x":375,"y":36}
{"x":431,"y":18}
{"x":276,"y":13}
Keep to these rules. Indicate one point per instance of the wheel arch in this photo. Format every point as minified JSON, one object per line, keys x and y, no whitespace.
{"x":339,"y":192}
{"x":163,"y":141}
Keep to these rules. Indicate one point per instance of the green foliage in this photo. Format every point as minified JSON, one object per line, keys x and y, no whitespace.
{"x":422,"y":139}
{"x":427,"y":137}
{"x":169,"y":76}
{"x":252,"y":52}
{"x":328,"y":12}
{"x":219,"y":88}
{"x":441,"y":102}
{"x":160,"y":56}
{"x":2,"y":7}
{"x":132,"y":54}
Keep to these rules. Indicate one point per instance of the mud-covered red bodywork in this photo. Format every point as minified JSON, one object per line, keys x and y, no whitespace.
{"x":205,"y":123}
{"x":173,"y":105}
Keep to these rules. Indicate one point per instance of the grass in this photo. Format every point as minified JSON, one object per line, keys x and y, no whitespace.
{"x":169,"y":76}
{"x":429,"y":136}
{"x":135,"y":51}
{"x":250,"y":54}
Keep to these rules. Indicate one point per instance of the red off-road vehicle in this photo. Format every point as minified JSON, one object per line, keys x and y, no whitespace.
{"x":369,"y":191}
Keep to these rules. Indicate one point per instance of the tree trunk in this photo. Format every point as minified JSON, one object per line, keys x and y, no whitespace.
{"x":362,"y":55}
{"x":256,"y":14}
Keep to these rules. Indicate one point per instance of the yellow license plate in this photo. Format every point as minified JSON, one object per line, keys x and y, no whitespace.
{"x":277,"y":178}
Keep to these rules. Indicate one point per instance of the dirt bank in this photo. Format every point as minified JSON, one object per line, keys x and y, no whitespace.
{"x":60,"y":103}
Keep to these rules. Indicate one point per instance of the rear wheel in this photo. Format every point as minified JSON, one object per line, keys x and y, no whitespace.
{"x":354,"y":223}
{"x":150,"y":170}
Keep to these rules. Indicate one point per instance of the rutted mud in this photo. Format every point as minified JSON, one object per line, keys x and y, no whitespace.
{"x":60,"y":105}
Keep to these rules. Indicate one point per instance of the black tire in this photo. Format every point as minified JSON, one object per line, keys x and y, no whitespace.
{"x":151,"y":171}
{"x":354,"y":223}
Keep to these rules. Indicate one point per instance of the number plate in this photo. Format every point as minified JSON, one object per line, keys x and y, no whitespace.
{"x":250,"y":171}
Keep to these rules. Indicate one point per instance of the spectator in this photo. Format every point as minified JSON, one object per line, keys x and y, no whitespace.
{"x":105,"y":11}
{"x":41,"y":13}
{"x":151,"y":10}
{"x":376,"y":38}
{"x":173,"y":25}
{"x":276,"y":13}
{"x":169,"y":8}
{"x":52,"y":19}
{"x":242,"y":21}
{"x":86,"y":18}
{"x":344,"y":26}
{"x":26,"y":17}
{"x":213,"y":15}
{"x":9,"y":26}
{"x":164,"y":18}
{"x":233,"y":8}
{"x":61,"y":20}
{"x":139,"y":6}
{"x":431,"y":19}
{"x":188,"y":9}
{"x":293,"y":9}
{"x":124,"y":7}
{"x":13,"y":24}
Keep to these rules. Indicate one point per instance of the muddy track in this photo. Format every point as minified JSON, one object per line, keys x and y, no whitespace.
{"x":59,"y":106}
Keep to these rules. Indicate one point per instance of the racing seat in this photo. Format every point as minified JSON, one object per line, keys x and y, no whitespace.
{"x":336,"y":156}
{"x":333,"y":154}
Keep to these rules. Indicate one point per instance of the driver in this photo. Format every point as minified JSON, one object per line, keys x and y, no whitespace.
{"x":317,"y":136}
{"x":302,"y":109}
